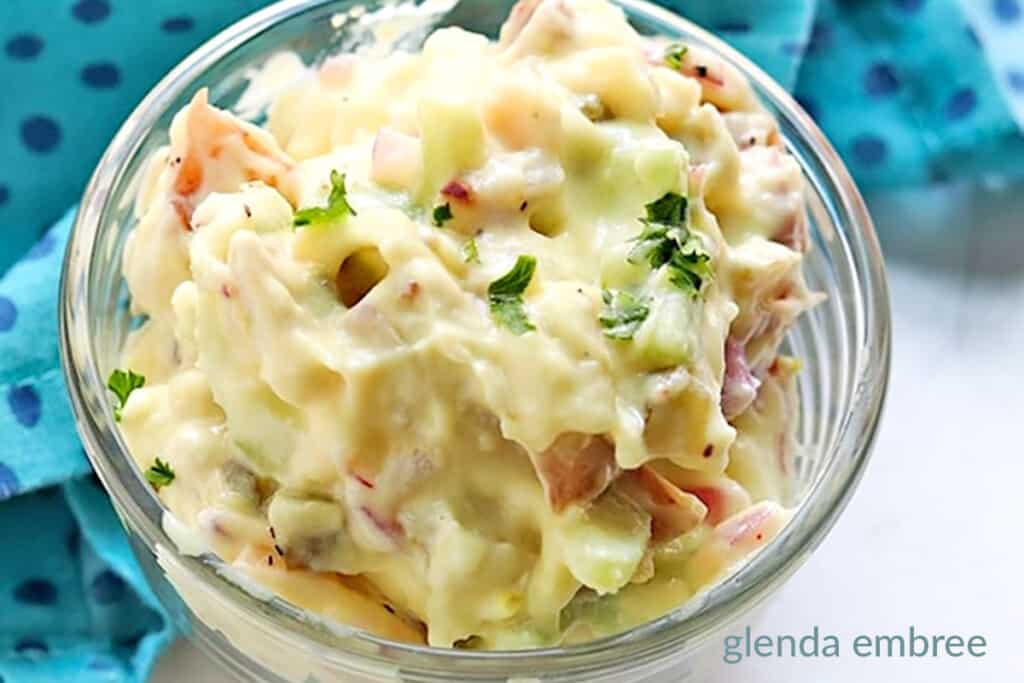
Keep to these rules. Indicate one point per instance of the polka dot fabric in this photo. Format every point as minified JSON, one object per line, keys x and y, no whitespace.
{"x":50,"y":628}
{"x":81,"y":65}
{"x":74,"y":70}
{"x":73,"y":605}
{"x":907,"y":94}
{"x":909,"y":91}
{"x":1001,"y":22}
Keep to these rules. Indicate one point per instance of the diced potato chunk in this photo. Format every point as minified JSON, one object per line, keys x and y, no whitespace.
{"x":618,"y":77}
{"x":604,"y":543}
{"x":521,"y":114}
{"x":453,"y":141}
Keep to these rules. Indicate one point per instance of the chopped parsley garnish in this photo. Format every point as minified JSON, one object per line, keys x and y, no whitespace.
{"x":667,"y":241}
{"x":122,"y":384}
{"x":337,"y":206}
{"x":623,"y":313}
{"x":159,"y":474}
{"x":442,"y":214}
{"x":669,"y":210}
{"x":674,"y":54}
{"x":469,"y":252}
{"x":690,"y":266}
{"x":506,"y":296}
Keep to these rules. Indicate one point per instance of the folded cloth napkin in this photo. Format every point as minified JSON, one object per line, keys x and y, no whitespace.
{"x":909,"y":91}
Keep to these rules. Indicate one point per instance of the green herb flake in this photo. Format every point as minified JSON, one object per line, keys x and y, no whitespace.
{"x":122,"y":384}
{"x":667,"y":241}
{"x":674,"y":54}
{"x":505,"y":296}
{"x":690,"y":266}
{"x":442,"y":214}
{"x":336,"y":209}
{"x":470,"y":254}
{"x":160,"y":474}
{"x":669,"y":210}
{"x":623,"y":314}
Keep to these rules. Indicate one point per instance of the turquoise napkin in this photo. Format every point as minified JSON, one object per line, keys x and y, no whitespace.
{"x":909,"y":91}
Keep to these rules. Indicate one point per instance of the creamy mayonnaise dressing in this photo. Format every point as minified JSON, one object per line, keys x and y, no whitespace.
{"x":358,"y":415}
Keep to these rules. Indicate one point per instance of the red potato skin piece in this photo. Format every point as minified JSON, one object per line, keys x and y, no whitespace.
{"x":208,"y":130}
{"x":183,"y":209}
{"x":747,"y":529}
{"x":458,"y":190}
{"x":576,"y":468}
{"x":520,"y":15}
{"x":713,"y":501}
{"x":793,"y":233}
{"x":673,"y":511}
{"x":739,"y":385}
{"x":702,"y":72}
{"x":364,"y":481}
{"x":391,"y":527}
{"x":190,"y":176}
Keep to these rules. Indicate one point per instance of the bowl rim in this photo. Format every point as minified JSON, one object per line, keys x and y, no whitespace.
{"x":683,"y":628}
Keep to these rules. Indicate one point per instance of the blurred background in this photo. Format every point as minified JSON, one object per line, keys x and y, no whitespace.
{"x":924,"y":99}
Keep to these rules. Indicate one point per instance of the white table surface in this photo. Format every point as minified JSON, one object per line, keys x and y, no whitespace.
{"x":934,"y":536}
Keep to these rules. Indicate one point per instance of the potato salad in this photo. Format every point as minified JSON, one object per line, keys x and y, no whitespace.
{"x":477,"y":346}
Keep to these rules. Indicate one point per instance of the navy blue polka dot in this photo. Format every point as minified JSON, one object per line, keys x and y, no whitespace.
{"x":41,"y":248}
{"x":31,"y":647}
{"x":9,"y":484}
{"x":24,"y":46}
{"x":961,"y":104}
{"x":1015,"y":77}
{"x":40,"y":134}
{"x":908,"y":5}
{"x":36,"y":592}
{"x":102,"y":663}
{"x":5,"y":194}
{"x":793,"y":49}
{"x":107,"y":588}
{"x":820,"y":38}
{"x":101,"y":75}
{"x":1006,"y":10}
{"x":8,"y":313}
{"x":177,"y":24}
{"x":880,"y":80}
{"x":734,"y":26}
{"x":50,"y":492}
{"x":938,"y":175}
{"x":24,"y":403}
{"x":972,"y":36}
{"x":73,"y":542}
{"x":869,"y":149}
{"x":91,"y":11}
{"x":132,"y":641}
{"x":809,"y":106}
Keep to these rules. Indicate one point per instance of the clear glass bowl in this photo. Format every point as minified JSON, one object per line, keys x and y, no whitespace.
{"x":844,"y":344}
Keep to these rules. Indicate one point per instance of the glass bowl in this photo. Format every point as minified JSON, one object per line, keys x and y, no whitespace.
{"x":844,"y":344}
